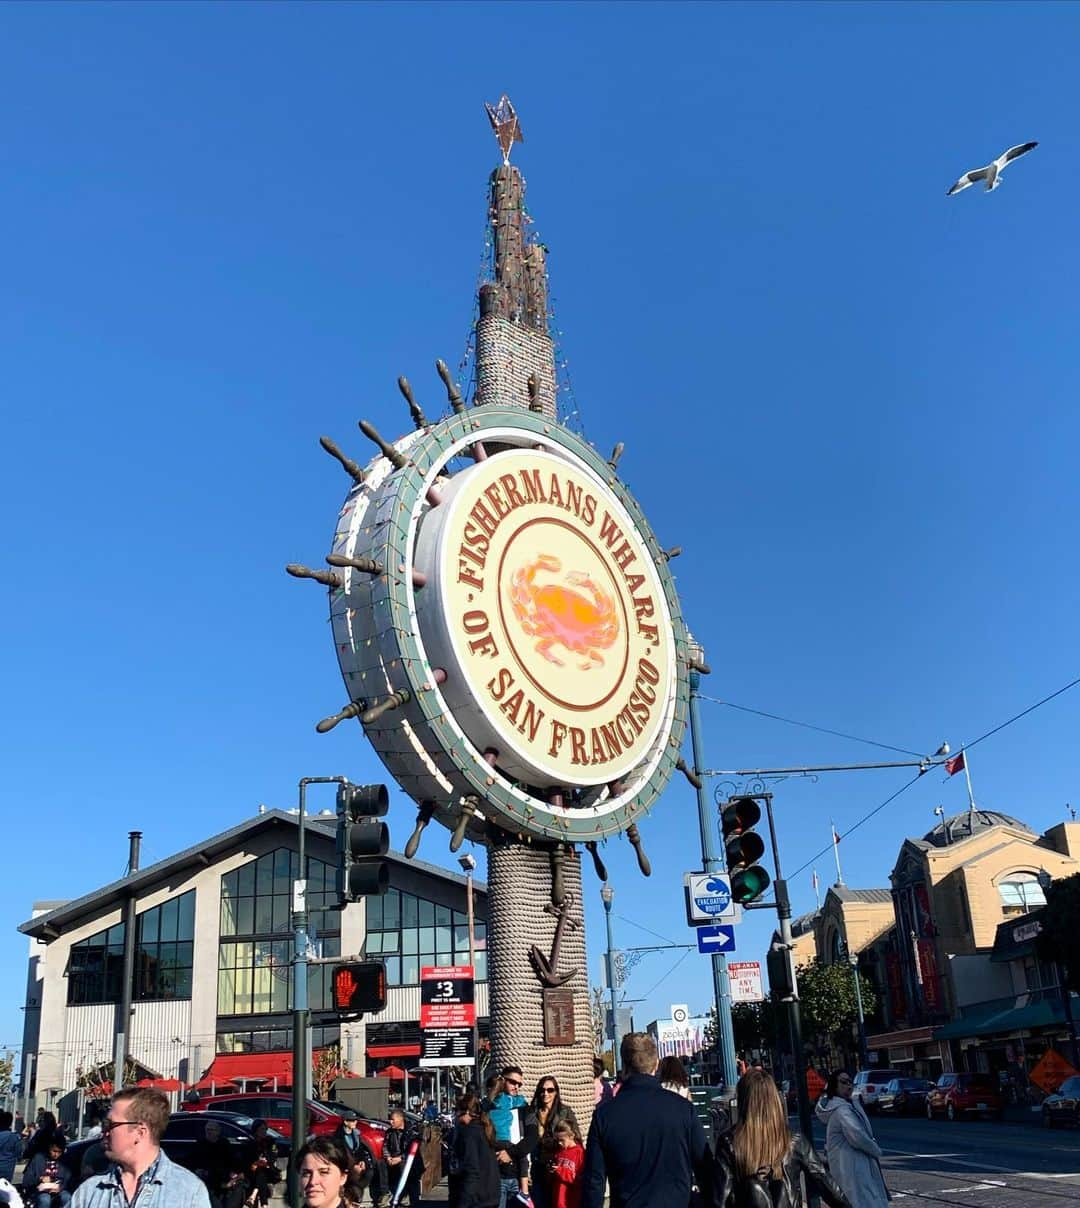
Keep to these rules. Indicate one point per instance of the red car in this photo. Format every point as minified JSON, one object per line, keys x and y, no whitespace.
{"x":959,"y":1095}
{"x":276,"y":1108}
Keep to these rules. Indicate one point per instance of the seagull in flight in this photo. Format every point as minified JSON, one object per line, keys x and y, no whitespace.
{"x":992,"y":172}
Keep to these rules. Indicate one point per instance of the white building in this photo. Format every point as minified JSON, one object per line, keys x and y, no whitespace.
{"x":212,"y":978}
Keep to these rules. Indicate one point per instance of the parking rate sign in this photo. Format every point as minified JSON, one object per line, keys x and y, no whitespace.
{"x":745,"y":979}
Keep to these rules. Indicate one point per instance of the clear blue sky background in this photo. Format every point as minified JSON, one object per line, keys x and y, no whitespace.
{"x":227,"y":229}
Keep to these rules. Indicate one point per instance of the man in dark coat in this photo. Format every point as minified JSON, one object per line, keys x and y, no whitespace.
{"x":646,"y":1142}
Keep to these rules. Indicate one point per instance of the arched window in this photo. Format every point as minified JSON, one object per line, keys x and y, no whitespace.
{"x":1020,"y":892}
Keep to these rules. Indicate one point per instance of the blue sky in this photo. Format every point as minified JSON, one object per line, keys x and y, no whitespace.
{"x":227,"y":229}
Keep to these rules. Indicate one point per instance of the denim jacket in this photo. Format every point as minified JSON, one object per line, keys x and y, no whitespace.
{"x":169,"y":1186}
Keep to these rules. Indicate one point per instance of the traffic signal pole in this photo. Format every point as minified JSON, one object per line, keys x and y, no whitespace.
{"x":301,"y":1054}
{"x":783,"y":914}
{"x":711,"y":863}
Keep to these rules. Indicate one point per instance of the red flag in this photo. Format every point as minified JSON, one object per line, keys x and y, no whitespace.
{"x":956,"y":764}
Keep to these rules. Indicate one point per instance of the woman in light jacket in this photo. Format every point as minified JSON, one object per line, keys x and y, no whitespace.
{"x":854,"y":1155}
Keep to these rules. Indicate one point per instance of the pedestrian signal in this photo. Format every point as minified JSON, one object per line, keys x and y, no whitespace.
{"x":359,"y":986}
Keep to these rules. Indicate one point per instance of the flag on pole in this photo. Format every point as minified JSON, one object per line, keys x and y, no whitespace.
{"x":836,"y":852}
{"x":957,"y":764}
{"x":815,"y":882}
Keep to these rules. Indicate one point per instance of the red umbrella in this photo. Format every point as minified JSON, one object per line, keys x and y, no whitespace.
{"x":161,"y":1084}
{"x":391,"y":1071}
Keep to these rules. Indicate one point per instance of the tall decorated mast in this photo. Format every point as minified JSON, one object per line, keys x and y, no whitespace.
{"x":512,"y":645}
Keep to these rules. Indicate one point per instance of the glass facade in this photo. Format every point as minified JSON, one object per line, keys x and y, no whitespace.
{"x":254,"y":971}
{"x":267,"y":1040}
{"x":164,"y":941}
{"x":408,"y":932}
{"x":96,"y":968}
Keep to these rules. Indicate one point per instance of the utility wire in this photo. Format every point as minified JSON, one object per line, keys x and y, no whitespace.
{"x":656,"y":934}
{"x":665,"y":976}
{"x":808,"y":726}
{"x":967,"y":747}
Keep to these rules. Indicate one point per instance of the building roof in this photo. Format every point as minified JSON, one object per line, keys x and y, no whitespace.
{"x":50,"y":924}
{"x":970,"y":822}
{"x":861,"y":895}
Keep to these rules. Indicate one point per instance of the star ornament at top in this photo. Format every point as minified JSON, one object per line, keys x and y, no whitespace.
{"x":504,"y":121}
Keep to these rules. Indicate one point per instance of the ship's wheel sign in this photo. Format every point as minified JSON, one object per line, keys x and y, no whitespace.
{"x":508,"y":628}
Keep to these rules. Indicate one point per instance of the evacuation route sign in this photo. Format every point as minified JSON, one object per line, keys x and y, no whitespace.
{"x":745,"y":979}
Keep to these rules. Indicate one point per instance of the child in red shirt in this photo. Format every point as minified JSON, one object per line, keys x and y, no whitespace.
{"x":566,"y":1167}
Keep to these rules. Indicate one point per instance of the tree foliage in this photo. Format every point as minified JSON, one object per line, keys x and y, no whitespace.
{"x":98,"y":1081}
{"x":7,"y":1072}
{"x":325,"y":1070}
{"x":827,"y":997}
{"x":1059,"y":939}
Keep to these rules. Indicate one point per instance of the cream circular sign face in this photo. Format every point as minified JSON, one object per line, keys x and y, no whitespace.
{"x":548,"y":615}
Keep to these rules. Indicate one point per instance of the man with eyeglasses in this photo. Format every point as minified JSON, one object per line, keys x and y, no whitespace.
{"x":140,"y":1175}
{"x":515,"y":1133}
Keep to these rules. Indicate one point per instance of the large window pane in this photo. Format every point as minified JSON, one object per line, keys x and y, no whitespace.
{"x":246,"y":880}
{"x":228,"y":916}
{"x":427,"y":941}
{"x":391,"y":910}
{"x":410,"y":910}
{"x":185,"y":917}
{"x":427,"y":914}
{"x":410,"y":970}
{"x":442,"y":915}
{"x":410,"y":940}
{"x":374,"y":913}
{"x":169,"y":915}
{"x":245,"y":916}
{"x":393,"y":971}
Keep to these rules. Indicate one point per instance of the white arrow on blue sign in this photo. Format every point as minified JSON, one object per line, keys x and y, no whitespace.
{"x":720,"y":938}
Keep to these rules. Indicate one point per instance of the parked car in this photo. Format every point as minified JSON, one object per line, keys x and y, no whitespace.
{"x":183,"y":1131}
{"x":904,"y":1096}
{"x":870,"y":1083}
{"x":957,"y":1095}
{"x":276,"y":1109}
{"x":1063,"y":1106}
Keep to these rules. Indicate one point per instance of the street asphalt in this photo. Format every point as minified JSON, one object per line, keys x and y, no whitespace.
{"x":977,"y":1163}
{"x":971,"y":1163}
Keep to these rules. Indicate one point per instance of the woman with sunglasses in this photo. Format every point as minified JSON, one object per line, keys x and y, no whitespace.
{"x":854,"y":1155}
{"x":549,"y":1110}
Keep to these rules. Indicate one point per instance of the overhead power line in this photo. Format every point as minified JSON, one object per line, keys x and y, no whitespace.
{"x":885,"y":746}
{"x":967,"y":747}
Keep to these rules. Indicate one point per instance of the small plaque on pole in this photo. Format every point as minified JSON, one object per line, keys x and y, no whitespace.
{"x":558,"y":1017}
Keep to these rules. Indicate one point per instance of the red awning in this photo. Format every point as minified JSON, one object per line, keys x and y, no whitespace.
{"x":249,"y":1067}
{"x":393,"y":1050}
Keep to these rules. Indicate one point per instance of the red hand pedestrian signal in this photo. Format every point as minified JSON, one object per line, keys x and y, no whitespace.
{"x":359,"y":986}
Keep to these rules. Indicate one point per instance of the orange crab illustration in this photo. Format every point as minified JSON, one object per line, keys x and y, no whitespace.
{"x":560,"y":616}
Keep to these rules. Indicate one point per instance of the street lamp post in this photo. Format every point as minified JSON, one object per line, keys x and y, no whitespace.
{"x":721,"y":984}
{"x":607,"y":894}
{"x":468,"y":864}
{"x":853,"y":960}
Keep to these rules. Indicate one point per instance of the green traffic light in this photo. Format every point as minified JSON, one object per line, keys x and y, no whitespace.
{"x":749,"y":884}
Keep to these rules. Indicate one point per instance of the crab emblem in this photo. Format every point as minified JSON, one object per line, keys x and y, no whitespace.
{"x":559,"y":616}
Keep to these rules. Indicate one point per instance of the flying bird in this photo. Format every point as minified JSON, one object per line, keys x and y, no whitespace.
{"x":992,"y":172}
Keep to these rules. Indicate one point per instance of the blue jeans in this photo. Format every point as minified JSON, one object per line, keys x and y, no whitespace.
{"x":507,"y":1189}
{"x":46,"y":1199}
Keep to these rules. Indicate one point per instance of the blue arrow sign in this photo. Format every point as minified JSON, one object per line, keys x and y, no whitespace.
{"x":720,"y":938}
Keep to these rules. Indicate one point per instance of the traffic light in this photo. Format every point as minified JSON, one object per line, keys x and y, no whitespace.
{"x":359,"y":986}
{"x":781,"y":973}
{"x":362,"y":841}
{"x":744,"y":848}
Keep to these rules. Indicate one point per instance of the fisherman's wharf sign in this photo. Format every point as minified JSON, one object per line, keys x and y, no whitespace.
{"x":549,"y":617}
{"x":508,"y":629}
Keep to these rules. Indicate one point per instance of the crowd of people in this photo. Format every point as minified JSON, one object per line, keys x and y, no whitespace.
{"x":646,"y":1148}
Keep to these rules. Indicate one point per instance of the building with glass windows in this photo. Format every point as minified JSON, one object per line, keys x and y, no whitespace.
{"x":212,"y":977}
